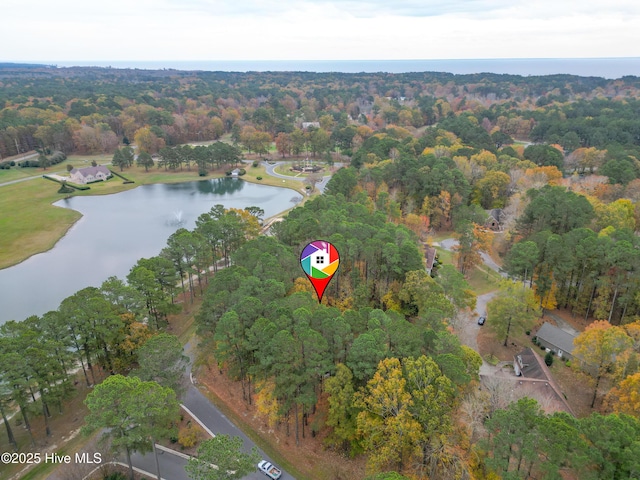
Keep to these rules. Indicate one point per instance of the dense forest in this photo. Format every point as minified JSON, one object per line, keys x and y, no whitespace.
{"x":81,"y":109}
{"x":377,"y":367}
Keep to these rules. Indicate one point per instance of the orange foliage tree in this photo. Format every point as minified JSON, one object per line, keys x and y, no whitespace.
{"x":625,"y":398}
{"x":472,"y":238}
{"x":599,"y":346}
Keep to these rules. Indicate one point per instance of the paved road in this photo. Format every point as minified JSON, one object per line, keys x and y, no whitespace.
{"x":270,"y":169}
{"x":19,"y":180}
{"x":172,"y":466}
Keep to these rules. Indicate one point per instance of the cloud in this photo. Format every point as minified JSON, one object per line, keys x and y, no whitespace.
{"x":408,"y":8}
{"x":355,"y":8}
{"x":317,"y":29}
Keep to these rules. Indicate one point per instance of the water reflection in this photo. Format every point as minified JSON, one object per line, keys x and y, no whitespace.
{"x":115,"y":231}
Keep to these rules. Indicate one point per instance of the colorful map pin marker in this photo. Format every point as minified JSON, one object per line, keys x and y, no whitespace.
{"x":319,"y":261}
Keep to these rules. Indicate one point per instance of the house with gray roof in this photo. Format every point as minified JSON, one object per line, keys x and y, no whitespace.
{"x":89,"y":174}
{"x":556,"y":340}
{"x":495,"y":219}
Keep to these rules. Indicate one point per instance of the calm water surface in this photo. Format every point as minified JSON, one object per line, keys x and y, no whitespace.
{"x":117,"y":230}
{"x":588,"y":67}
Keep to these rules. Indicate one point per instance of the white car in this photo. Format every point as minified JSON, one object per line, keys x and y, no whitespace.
{"x":269,"y":470}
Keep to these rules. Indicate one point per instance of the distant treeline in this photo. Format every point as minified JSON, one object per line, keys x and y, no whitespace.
{"x":91,"y":109}
{"x":10,"y":65}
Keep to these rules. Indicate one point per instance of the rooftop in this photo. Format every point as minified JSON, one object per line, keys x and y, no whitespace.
{"x":537,"y":379}
{"x":91,"y":170}
{"x":555,"y":336}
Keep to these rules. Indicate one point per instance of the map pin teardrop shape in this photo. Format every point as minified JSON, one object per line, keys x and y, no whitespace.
{"x":320,"y":261}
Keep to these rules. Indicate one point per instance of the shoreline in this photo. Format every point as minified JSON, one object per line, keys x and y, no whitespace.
{"x":110,"y":189}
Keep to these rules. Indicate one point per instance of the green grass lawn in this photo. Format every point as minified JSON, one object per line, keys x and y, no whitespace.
{"x":482,"y":279}
{"x":30,"y":224}
{"x":254,"y":172}
{"x":78,"y":161}
{"x":16,"y":173}
{"x":284,"y":170}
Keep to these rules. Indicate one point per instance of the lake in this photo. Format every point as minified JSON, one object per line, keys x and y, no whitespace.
{"x":117,"y":230}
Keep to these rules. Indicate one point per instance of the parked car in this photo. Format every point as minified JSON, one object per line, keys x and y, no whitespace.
{"x":481,"y":320}
{"x":269,"y":470}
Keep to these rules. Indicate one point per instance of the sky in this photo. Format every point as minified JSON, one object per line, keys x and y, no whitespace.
{"x":149,"y":30}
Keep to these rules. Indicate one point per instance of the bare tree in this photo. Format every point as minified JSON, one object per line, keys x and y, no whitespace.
{"x":475,"y":408}
{"x":312,"y":179}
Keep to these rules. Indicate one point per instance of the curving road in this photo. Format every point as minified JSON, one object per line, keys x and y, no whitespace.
{"x":171,"y":465}
{"x":270,"y":169}
{"x":469,"y":328}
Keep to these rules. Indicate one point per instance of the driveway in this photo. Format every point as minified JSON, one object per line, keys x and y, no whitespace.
{"x":19,"y":180}
{"x":468,"y":327}
{"x":562,"y":323}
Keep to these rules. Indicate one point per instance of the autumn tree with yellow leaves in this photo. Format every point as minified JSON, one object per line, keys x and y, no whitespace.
{"x":405,"y":417}
{"x":598,"y":347}
{"x":472,"y":238}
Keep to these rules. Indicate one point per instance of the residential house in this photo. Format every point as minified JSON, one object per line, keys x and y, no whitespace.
{"x":536,"y":381}
{"x":494,"y":222}
{"x":430,"y":256}
{"x":89,"y":174}
{"x":556,"y":340}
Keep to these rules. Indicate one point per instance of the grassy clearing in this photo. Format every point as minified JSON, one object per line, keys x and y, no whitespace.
{"x":444,"y":256}
{"x":491,"y":359}
{"x":19,"y":173}
{"x":254,"y":172}
{"x":284,"y":170}
{"x":30,"y":224}
{"x":482,"y":279}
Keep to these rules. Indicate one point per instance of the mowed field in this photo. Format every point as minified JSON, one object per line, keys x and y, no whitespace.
{"x":30,"y":224}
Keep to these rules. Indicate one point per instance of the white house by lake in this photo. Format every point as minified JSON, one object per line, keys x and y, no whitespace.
{"x":90,"y":174}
